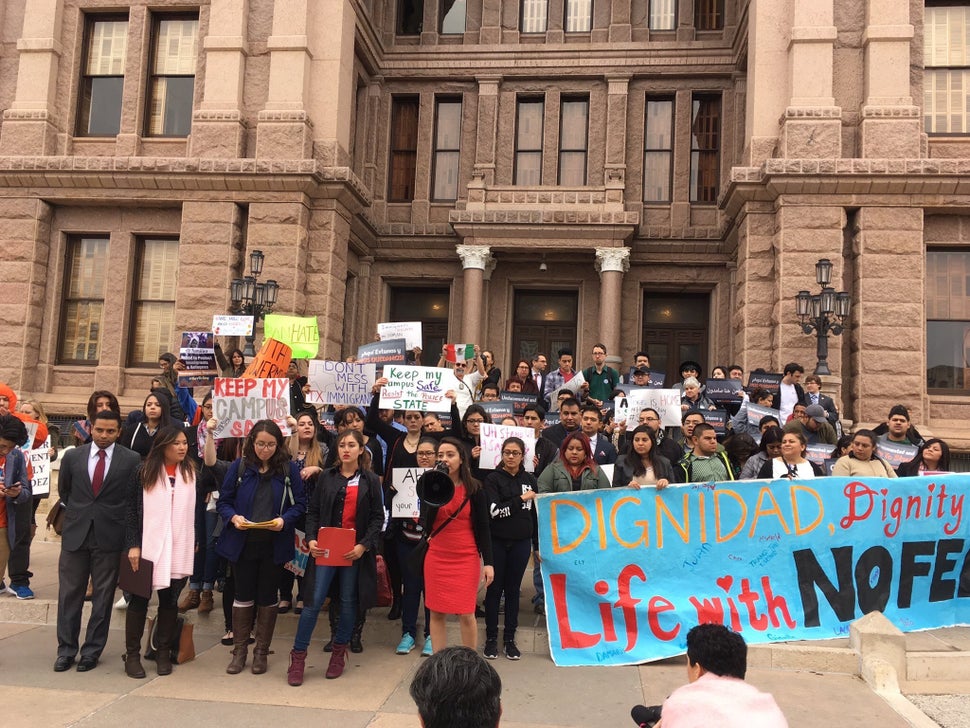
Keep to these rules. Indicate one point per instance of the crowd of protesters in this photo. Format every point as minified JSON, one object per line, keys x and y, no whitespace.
{"x":158,"y":490}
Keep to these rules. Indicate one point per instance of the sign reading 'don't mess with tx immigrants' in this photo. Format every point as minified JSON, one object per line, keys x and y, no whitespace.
{"x":416,"y":388}
{"x":628,"y":573}
{"x":238,"y":404}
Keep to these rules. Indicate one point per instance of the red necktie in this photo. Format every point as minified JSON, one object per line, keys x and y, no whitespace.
{"x":98,"y":473}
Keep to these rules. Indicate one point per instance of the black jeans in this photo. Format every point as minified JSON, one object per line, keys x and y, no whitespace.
{"x":167,"y":598}
{"x":257,"y":575}
{"x":511,"y":558}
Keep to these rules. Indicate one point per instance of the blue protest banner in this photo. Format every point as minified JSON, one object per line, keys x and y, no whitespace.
{"x":628,"y":573}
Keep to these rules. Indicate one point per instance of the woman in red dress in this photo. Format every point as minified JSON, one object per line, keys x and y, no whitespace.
{"x":452,"y":567}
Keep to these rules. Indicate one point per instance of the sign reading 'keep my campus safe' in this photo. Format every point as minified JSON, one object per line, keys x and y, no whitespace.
{"x":628,"y":572}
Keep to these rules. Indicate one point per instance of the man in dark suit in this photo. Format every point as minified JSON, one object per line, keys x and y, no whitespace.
{"x":95,"y":481}
{"x":590,"y":422}
{"x":813,"y":384}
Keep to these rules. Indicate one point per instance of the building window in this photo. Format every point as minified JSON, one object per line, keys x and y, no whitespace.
{"x":528,"y":142}
{"x":404,"y":149}
{"x":87,"y":261}
{"x":534,"y":16}
{"x":447,"y":144}
{"x":705,"y":144}
{"x":172,"y":81}
{"x":708,"y":14}
{"x":948,"y":320}
{"x":663,"y":15}
{"x":153,"y":312}
{"x":410,"y":17}
{"x":658,"y":150}
{"x":573,"y":141}
{"x":579,"y":16}
{"x":103,"y":80}
{"x":946,"y":79}
{"x":452,"y":17}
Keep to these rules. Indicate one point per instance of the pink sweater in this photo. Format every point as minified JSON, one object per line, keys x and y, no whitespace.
{"x":725,"y":702}
{"x":168,"y":530}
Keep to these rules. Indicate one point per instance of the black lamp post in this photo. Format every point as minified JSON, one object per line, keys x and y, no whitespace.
{"x":818,"y":313}
{"x":251,"y":298}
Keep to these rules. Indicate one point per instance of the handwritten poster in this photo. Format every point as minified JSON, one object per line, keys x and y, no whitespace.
{"x":492,"y":437}
{"x":416,"y":388}
{"x":410,"y":331}
{"x":628,"y":573}
{"x":301,"y":554}
{"x":665,"y":401}
{"x":339,"y":382}
{"x":271,"y":361}
{"x":225,"y":325}
{"x":406,"y":503}
{"x":40,"y":461}
{"x":300,"y":333}
{"x":238,"y":404}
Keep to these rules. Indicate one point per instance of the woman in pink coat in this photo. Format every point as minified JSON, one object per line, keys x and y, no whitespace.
{"x":160,"y":527}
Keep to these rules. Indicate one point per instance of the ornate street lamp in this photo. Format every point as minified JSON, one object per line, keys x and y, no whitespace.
{"x":823,"y":313}
{"x":249,"y":297}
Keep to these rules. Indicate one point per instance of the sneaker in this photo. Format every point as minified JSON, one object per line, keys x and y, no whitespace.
{"x":511,"y":651}
{"x":21,"y":592}
{"x":491,"y":649}
{"x":405,"y":645}
{"x":427,"y":650}
{"x":122,"y":603}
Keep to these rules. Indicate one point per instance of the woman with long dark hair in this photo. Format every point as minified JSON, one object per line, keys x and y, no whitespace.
{"x":523,"y":375}
{"x":511,"y":492}
{"x":643,"y":464}
{"x":155,"y":415}
{"x":575,"y":469}
{"x":352,"y":418}
{"x":933,"y":456}
{"x":234,"y":366}
{"x":769,"y":448}
{"x":862,"y":458}
{"x":471,"y":424}
{"x":261,"y":500}
{"x":791,"y":463}
{"x":347,"y":496}
{"x":160,"y":527}
{"x":462,"y":541}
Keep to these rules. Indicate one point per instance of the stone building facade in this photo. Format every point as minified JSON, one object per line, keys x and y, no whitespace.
{"x":526,"y":174}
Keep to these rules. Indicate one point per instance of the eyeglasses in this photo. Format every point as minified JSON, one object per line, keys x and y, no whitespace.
{"x":474,"y":421}
{"x":511,"y":453}
{"x":651,"y":419}
{"x":264,"y":445}
{"x":425,"y":453}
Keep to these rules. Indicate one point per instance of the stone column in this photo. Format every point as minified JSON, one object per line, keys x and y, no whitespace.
{"x":474,"y":259}
{"x":217,"y":126}
{"x":331,"y":30}
{"x":620,"y":27}
{"x":616,"y":120}
{"x":365,"y":327}
{"x":812,"y":127}
{"x":611,"y":264}
{"x":753,"y":316}
{"x":488,"y":88}
{"x":887,"y":322}
{"x":490,"y":31}
{"x":283,"y":129}
{"x":891,"y":124}
{"x":28,"y":125}
{"x":280,"y":230}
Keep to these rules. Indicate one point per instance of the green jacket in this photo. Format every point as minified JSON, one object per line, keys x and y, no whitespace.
{"x":556,"y":479}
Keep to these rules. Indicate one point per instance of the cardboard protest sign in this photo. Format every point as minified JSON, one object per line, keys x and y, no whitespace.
{"x":895,"y":453}
{"x":492,"y":437}
{"x":723,"y":390}
{"x":200,"y":359}
{"x":497,"y":410}
{"x":410,"y":331}
{"x":40,"y":461}
{"x":380,"y":353}
{"x":417,"y":388}
{"x":339,"y":382}
{"x":238,"y":404}
{"x":225,"y":325}
{"x":665,"y":401}
{"x":406,"y":503}
{"x":272,"y":361}
{"x":301,"y":554}
{"x":627,"y":573}
{"x":764,"y":380}
{"x":300,"y":333}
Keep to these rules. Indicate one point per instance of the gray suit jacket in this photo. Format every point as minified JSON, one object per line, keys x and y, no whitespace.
{"x":104,"y":513}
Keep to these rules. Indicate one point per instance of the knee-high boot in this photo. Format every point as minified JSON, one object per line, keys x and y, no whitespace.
{"x":242,"y":625}
{"x":355,"y":644}
{"x":164,"y":639}
{"x":265,"y":625}
{"x":332,"y":615}
{"x":134,"y":631}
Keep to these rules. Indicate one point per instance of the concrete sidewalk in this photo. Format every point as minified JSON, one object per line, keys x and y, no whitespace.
{"x":816,"y":684}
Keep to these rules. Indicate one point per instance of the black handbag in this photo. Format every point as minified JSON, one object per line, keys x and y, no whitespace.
{"x":415,"y":559}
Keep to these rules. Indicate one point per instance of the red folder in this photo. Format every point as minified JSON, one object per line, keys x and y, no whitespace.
{"x":334,"y":543}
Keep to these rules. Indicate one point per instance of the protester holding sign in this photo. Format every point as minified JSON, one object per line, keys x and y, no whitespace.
{"x":511,"y":492}
{"x":232,"y":367}
{"x":471,"y":423}
{"x":453,"y":565}
{"x":348,"y":496}
{"x":261,"y":500}
{"x":575,"y":469}
{"x":643,"y":464}
{"x":933,"y":457}
{"x":862,"y":459}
